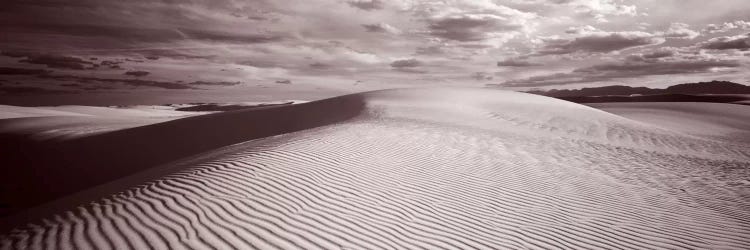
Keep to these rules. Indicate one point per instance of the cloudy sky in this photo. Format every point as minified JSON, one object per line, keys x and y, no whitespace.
{"x":96,"y":46}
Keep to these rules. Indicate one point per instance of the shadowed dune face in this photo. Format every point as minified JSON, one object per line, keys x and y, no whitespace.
{"x":422,"y":168}
{"x":44,"y":170}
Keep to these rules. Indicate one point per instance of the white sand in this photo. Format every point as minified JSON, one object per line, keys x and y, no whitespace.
{"x":7,"y":111}
{"x":433,"y":169}
{"x":72,"y":121}
{"x":727,"y":122}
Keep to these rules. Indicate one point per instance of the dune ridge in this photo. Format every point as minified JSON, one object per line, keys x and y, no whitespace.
{"x":431,"y":169}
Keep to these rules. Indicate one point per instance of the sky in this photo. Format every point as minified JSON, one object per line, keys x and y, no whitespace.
{"x":238,"y":48}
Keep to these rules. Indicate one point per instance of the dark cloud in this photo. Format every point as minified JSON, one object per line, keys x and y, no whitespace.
{"x":137,"y":73}
{"x":59,"y":62}
{"x":319,"y":65}
{"x":51,"y":60}
{"x":367,"y":5}
{"x":516,"y":63}
{"x":130,"y":82}
{"x":214,"y":83}
{"x":261,"y":64}
{"x":15,"y":54}
{"x":741,"y":42}
{"x":175,"y":53}
{"x":470,"y":27}
{"x":599,"y":42}
{"x":72,"y":85}
{"x":659,"y":54}
{"x":111,"y":64}
{"x":406,"y":63}
{"x":653,"y":56}
{"x":22,"y":71}
{"x":21,"y":90}
{"x":107,"y":36}
{"x":627,"y":69}
{"x":284,"y":81}
{"x":231,"y":37}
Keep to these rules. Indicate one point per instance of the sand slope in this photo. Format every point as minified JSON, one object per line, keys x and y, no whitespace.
{"x":429,"y":169}
{"x":70,"y":121}
{"x":726,"y":122}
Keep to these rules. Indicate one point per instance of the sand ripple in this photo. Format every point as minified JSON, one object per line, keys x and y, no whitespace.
{"x":407,"y":179}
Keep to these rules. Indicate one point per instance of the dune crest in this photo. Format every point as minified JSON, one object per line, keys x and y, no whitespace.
{"x":421,"y":169}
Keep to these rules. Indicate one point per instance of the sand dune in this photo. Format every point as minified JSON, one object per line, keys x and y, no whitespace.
{"x":409,"y":169}
{"x":7,"y":111}
{"x":726,"y":122}
{"x":44,"y":169}
{"x":66,"y":122}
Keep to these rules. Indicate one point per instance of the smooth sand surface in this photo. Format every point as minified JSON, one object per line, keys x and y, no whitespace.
{"x":70,"y":121}
{"x":413,"y":169}
{"x":7,"y":111}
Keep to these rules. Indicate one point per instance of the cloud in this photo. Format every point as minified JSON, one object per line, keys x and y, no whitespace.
{"x":209,"y":35}
{"x":481,"y":76}
{"x":111,"y":64}
{"x":430,"y":50}
{"x":411,"y":65}
{"x":472,"y":27}
{"x":651,"y":56}
{"x":581,"y":30}
{"x":27,"y":90}
{"x":214,"y":83}
{"x":22,"y":71}
{"x":319,"y":65}
{"x":367,"y":5}
{"x":51,"y":60}
{"x":262,"y":40}
{"x":406,"y":63}
{"x":125,"y":35}
{"x":130,"y":82}
{"x":681,"y":31}
{"x":727,"y":26}
{"x":381,"y":28}
{"x":474,"y":22}
{"x":137,"y":73}
{"x":628,"y":69}
{"x":516,"y":63}
{"x":598,"y":9}
{"x":740,"y":42}
{"x":599,"y":42}
{"x":261,"y":64}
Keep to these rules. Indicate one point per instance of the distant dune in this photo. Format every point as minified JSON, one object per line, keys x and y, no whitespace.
{"x":698,"y":88}
{"x":444,"y":168}
{"x":714,"y":91}
{"x":735,"y":99}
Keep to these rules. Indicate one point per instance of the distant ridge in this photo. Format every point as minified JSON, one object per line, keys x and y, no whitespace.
{"x":712,"y":87}
{"x":713,"y":91}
